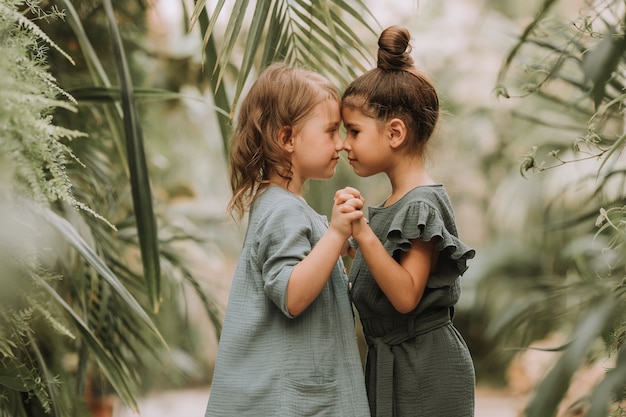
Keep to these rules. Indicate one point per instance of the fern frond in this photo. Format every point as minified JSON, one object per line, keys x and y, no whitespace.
{"x":49,"y":80}
{"x":56,"y":324}
{"x":32,"y":144}
{"x":30,"y":26}
{"x":58,"y":132}
{"x":35,"y":98}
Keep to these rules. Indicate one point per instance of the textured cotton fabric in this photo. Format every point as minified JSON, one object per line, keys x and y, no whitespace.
{"x":270,"y":364}
{"x":418,"y":364}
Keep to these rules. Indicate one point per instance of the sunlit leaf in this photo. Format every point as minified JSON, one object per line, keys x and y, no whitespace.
{"x":302,"y":33}
{"x":220,"y":97}
{"x":255,"y":38}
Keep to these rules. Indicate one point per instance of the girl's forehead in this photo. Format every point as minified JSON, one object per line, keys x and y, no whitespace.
{"x":352,"y":113}
{"x":325,"y":111}
{"x":327,"y":106}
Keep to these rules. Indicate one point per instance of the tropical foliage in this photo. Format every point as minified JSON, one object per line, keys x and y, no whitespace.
{"x":94,"y":265}
{"x":313,"y":34}
{"x":567,"y":80}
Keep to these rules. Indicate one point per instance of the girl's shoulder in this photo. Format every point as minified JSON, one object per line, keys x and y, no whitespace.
{"x":277,"y":198}
{"x":435,"y":193}
{"x":432,"y":195}
{"x":277,"y":205}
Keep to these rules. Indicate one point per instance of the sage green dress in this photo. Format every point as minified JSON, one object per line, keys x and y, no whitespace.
{"x":270,"y":364}
{"x":417,"y":364}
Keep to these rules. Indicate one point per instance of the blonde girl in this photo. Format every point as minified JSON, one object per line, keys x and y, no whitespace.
{"x":288,"y":345}
{"x":405,"y":275}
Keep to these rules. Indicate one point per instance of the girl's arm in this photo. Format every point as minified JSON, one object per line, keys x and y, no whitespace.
{"x":309,"y":276}
{"x":402,"y":282}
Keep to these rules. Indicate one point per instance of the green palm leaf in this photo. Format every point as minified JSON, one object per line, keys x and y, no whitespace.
{"x":73,"y":238}
{"x":116,"y":374}
{"x":301,"y":32}
{"x":111,"y":94}
{"x":220,"y":98}
{"x":98,"y":74}
{"x":139,"y":176}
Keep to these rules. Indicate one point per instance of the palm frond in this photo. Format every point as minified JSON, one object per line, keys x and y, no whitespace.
{"x":71,"y":235}
{"x":312,"y":34}
{"x":220,"y":96}
{"x":98,"y":75}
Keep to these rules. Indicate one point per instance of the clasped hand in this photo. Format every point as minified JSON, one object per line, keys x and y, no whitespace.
{"x":347,"y":210}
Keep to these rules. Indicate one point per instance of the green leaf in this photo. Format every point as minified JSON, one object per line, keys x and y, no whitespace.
{"x":312,"y":34}
{"x":553,"y":387}
{"x":231,"y":34}
{"x":98,"y":74}
{"x":255,"y":38}
{"x":272,"y":47}
{"x":610,"y":388}
{"x":600,"y":62}
{"x":14,"y":383}
{"x":220,"y":97}
{"x":615,"y":147}
{"x":139,"y":175}
{"x":543,"y":11}
{"x":115,"y":373}
{"x":197,"y":13}
{"x":112,"y":94}
{"x":74,"y":239}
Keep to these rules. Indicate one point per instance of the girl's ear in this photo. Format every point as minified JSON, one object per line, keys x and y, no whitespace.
{"x":396,"y":131}
{"x":285,"y":138}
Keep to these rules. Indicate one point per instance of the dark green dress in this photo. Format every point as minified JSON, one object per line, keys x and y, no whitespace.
{"x":417,"y":364}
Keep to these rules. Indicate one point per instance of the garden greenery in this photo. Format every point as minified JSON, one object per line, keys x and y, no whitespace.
{"x":81,"y":263}
{"x":33,"y":173}
{"x":572,"y":74}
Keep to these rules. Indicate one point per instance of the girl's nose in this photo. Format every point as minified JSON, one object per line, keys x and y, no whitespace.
{"x":339,"y":143}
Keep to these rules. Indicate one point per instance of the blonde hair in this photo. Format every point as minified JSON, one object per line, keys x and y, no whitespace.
{"x":396,"y":89}
{"x":281,"y":99}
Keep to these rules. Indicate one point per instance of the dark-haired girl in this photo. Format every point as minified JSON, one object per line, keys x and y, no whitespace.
{"x":406,"y":271}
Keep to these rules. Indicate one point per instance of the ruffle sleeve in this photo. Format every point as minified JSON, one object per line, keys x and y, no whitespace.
{"x":420,"y":220}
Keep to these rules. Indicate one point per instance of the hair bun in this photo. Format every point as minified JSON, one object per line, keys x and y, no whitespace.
{"x":394,"y":49}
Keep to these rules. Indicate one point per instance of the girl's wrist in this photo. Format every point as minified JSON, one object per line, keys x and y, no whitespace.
{"x":336,"y":236}
{"x":365,"y":233}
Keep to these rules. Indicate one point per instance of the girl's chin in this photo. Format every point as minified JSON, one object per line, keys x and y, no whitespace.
{"x":326,"y":176}
{"x":360,"y":172}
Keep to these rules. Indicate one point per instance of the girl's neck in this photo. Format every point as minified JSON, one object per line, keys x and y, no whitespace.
{"x":293,"y":186}
{"x":405,"y":177}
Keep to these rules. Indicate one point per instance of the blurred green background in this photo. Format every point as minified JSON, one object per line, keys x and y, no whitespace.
{"x":117,"y":252}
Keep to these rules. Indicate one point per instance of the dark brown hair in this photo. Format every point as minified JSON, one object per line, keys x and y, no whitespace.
{"x":396,"y":89}
{"x":283,"y":97}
